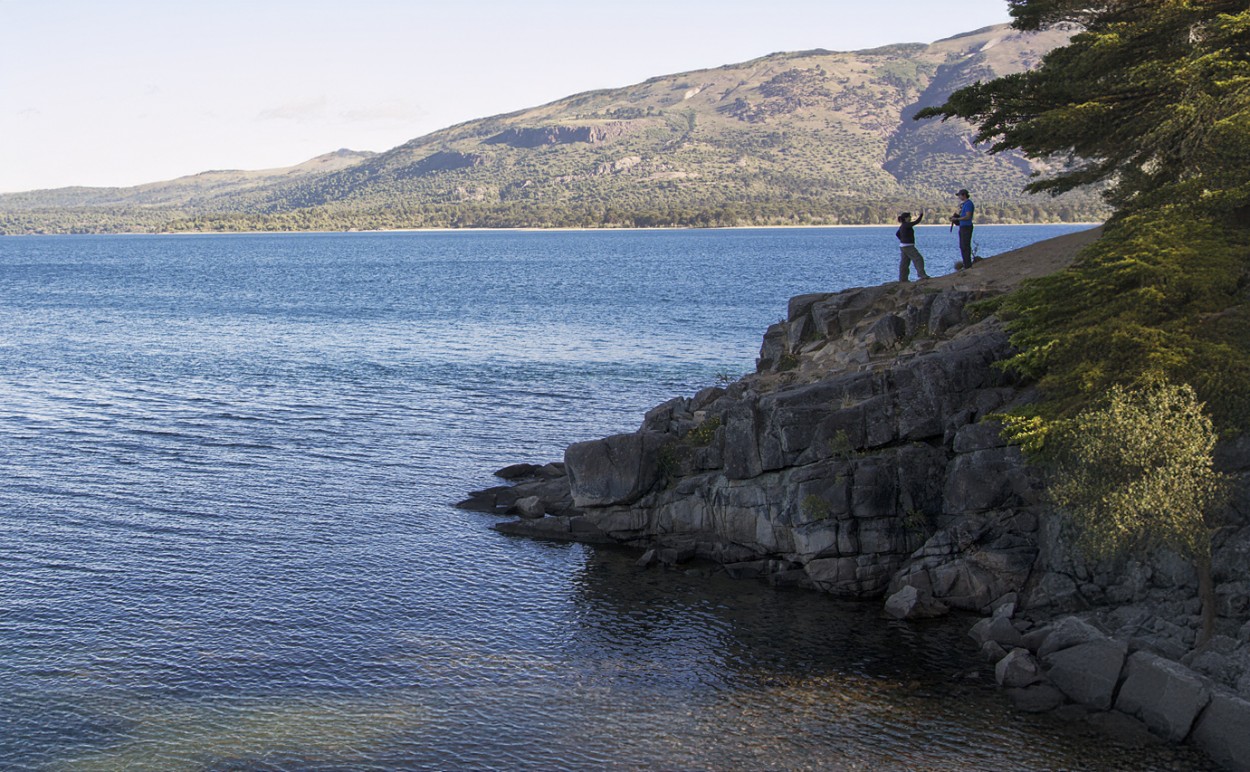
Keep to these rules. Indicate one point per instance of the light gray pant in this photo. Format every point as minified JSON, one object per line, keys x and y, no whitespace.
{"x":910,"y":256}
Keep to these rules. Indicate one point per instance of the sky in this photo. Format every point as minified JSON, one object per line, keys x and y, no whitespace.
{"x":122,"y":92}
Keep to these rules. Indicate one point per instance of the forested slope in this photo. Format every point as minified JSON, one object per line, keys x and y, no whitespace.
{"x":790,"y":138}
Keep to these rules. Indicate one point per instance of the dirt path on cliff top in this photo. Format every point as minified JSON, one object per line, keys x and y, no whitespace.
{"x":1002,"y":272}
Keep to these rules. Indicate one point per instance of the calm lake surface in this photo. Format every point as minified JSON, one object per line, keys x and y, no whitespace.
{"x":227,"y":465}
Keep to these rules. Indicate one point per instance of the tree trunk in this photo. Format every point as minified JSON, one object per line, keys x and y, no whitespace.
{"x":1206,"y":592}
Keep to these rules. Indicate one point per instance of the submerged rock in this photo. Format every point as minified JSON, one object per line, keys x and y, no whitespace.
{"x":1166,"y":696}
{"x":909,"y":603}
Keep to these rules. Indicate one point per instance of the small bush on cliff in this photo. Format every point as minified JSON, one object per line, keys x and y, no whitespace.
{"x":840,"y":446}
{"x":918,"y":523}
{"x":1136,"y":473}
{"x":816,"y":508}
{"x":704,"y":432}
{"x":670,"y":459}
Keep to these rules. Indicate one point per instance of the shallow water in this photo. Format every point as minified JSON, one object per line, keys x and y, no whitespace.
{"x":227,"y":539}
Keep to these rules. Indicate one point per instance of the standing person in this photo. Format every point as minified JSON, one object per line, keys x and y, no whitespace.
{"x":907,"y":246}
{"x":963,"y":218}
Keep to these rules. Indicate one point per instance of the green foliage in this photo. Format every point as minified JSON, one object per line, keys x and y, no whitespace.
{"x":666,"y":209}
{"x":1028,"y":430}
{"x":704,"y":432}
{"x":669,"y":460}
{"x":904,"y":73}
{"x":1136,"y":473}
{"x":815,"y":508}
{"x":1153,"y":97}
{"x":982,"y":309}
{"x":787,"y":361}
{"x":1159,"y":296}
{"x":917,"y":522}
{"x":840,"y":446}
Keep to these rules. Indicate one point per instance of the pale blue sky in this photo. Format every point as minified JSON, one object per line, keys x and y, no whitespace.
{"x":103,"y":93}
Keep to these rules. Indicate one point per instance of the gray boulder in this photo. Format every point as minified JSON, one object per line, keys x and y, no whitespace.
{"x":615,"y":470}
{"x":1066,"y":633}
{"x":1123,"y":728}
{"x":965,"y":583}
{"x":982,"y":480}
{"x":1005,"y":605}
{"x":998,"y":629}
{"x":947,"y":311}
{"x":517,"y":471}
{"x":979,"y":436}
{"x":887,"y":332}
{"x":1088,"y":672}
{"x":561,"y":528}
{"x":1223,"y":731}
{"x":1223,"y":659}
{"x":1017,"y":670}
{"x":1053,"y":590}
{"x":529,"y":507}
{"x":1166,"y":695}
{"x":992,"y":652}
{"x":1036,"y":698}
{"x":910,"y":603}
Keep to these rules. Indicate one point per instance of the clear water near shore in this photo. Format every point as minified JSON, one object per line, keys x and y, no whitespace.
{"x":227,"y":539}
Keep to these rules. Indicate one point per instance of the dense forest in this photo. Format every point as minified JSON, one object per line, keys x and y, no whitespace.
{"x":715,"y":215}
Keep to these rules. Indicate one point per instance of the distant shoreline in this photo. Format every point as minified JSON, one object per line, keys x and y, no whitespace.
{"x":530,"y":229}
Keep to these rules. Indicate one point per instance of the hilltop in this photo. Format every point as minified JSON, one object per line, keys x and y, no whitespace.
{"x":813,"y":137}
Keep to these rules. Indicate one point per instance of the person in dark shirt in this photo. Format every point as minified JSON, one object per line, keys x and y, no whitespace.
{"x":909,"y":255}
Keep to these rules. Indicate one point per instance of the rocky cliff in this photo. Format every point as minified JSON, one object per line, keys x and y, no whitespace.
{"x":863,"y":459}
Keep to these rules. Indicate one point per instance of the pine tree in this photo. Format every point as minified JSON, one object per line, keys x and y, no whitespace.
{"x":1153,"y":97}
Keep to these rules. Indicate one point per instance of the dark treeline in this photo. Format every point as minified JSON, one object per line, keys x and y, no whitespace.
{"x":530,"y":215}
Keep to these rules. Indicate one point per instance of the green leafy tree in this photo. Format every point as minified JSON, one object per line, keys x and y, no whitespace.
{"x":1136,"y":473}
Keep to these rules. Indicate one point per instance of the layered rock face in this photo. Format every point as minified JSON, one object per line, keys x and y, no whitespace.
{"x":863,"y":459}
{"x":854,"y":461}
{"x":560,"y":135}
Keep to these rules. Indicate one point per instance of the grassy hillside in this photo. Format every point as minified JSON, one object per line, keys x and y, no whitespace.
{"x":790,"y":138}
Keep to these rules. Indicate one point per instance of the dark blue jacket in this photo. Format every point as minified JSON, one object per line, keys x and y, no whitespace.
{"x":906,"y":233}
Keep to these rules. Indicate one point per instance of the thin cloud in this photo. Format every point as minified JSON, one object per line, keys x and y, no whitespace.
{"x":391,"y":112}
{"x":302,"y":111}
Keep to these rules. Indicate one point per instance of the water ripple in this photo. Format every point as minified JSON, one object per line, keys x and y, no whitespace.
{"x":226,"y":539}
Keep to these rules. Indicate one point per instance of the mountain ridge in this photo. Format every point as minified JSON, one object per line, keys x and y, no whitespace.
{"x":809,"y":137}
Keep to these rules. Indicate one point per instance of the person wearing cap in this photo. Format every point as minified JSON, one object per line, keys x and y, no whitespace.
{"x":907,"y":247}
{"x":963,"y":218}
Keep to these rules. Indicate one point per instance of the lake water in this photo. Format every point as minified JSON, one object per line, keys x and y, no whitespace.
{"x":227,"y":465}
